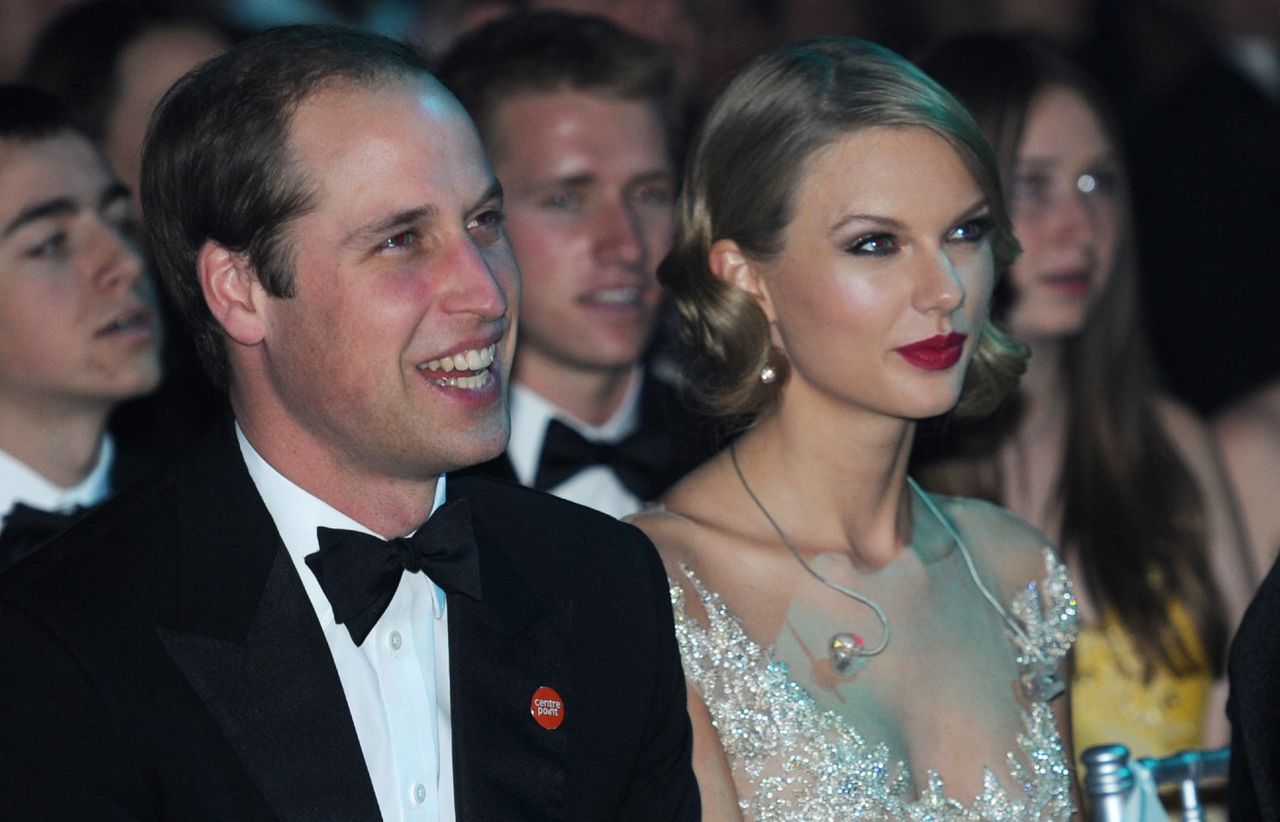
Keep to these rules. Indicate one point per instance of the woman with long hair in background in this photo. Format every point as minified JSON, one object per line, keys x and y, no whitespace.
{"x":1119,"y":476}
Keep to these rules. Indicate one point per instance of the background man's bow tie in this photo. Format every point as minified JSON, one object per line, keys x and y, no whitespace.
{"x":26,"y":529}
{"x":637,"y":460}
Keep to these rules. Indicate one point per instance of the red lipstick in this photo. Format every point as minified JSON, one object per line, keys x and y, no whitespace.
{"x":938,"y":353}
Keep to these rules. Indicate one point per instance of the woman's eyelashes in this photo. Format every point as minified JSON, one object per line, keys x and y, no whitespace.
{"x":883,"y":243}
{"x":879,"y":244}
{"x":974,"y":230}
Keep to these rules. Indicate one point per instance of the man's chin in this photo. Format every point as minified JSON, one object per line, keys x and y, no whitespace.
{"x":481,"y":448}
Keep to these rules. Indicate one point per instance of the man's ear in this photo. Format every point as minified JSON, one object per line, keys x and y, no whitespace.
{"x":232,"y":292}
{"x":731,"y":264}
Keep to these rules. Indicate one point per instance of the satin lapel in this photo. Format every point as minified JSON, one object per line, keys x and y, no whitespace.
{"x":243,"y":632}
{"x":501,"y":650}
{"x":278,"y":699}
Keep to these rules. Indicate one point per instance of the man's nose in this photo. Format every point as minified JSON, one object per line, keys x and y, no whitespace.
{"x":481,"y":279}
{"x":112,"y":261}
{"x":617,"y":235}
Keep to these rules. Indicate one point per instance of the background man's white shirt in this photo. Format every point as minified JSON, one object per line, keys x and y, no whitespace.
{"x":20,"y":483}
{"x":595,"y":486}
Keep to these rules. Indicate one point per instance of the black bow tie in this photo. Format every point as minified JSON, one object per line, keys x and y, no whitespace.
{"x":638,"y":461}
{"x":359,"y":572}
{"x":26,"y":529}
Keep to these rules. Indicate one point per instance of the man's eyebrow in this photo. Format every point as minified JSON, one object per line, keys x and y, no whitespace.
{"x":57,"y":207}
{"x":493,"y":192}
{"x":571,"y":181}
{"x":658,"y":175}
{"x":383,"y":225}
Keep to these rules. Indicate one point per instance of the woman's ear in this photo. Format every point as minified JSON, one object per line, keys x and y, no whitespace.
{"x":731,"y":264}
{"x":232,"y":292}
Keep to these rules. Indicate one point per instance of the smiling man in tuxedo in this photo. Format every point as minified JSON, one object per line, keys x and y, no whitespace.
{"x":267,"y":628}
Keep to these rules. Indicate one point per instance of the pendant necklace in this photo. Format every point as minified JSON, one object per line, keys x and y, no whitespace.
{"x":848,"y":652}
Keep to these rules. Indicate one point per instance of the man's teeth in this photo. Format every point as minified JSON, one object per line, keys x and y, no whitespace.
{"x":479,"y":380}
{"x":474,"y":359}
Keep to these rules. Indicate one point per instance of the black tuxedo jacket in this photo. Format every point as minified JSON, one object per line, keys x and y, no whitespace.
{"x":678,"y":438}
{"x":1253,"y":707}
{"x":14,"y":547}
{"x":161,"y":660}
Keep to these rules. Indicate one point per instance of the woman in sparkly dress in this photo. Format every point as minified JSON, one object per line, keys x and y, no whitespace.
{"x":855,"y":648}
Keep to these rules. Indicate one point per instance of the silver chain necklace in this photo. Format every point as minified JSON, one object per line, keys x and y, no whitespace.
{"x":848,"y":652}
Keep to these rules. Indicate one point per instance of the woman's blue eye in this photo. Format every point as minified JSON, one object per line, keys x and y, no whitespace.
{"x":874,"y":245}
{"x":1031,"y":188}
{"x":1102,"y":181}
{"x":973,"y":231}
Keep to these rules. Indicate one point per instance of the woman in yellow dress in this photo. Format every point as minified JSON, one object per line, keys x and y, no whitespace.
{"x":1120,"y":476}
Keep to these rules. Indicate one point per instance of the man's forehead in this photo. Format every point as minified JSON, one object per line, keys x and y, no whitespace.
{"x":430,"y":94}
{"x":49,"y":166}
{"x":595,"y":112}
{"x":394,"y":146}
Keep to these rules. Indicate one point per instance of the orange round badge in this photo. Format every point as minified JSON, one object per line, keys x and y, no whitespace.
{"x":547,"y":708}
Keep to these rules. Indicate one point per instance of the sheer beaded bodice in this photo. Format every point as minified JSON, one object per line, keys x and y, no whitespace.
{"x":798,"y":753}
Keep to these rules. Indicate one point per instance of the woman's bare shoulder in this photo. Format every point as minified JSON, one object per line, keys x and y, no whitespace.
{"x":1189,"y":435}
{"x":1250,"y":429}
{"x":1012,"y":548}
{"x":683,"y":523}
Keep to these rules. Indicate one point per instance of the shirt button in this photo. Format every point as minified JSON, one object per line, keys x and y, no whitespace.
{"x":419,"y":793}
{"x":395,"y":640}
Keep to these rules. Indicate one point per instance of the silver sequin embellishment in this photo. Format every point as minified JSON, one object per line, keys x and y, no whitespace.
{"x":807,"y":764}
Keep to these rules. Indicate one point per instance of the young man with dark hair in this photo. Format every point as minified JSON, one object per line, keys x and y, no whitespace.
{"x":78,"y":329}
{"x":581,"y":121}
{"x":300,"y":619}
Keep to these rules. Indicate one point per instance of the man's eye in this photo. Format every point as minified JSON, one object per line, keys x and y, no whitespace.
{"x":52,"y":246}
{"x":874,"y":245}
{"x":563,"y":200}
{"x":404,"y":239}
{"x":661,"y":194}
{"x":489,"y":219}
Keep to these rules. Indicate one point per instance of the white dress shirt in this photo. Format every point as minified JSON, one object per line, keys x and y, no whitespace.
{"x":595,"y":486}
{"x":20,"y":483}
{"x":397,"y":681}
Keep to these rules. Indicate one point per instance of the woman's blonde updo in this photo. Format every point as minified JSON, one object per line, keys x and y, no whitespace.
{"x":740,"y":185}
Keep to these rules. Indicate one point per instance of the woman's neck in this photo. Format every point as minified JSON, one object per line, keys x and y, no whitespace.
{"x":1032,"y":458}
{"x":835,"y":482}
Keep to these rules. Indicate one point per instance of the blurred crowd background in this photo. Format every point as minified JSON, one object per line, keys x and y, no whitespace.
{"x":1195,"y":87}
